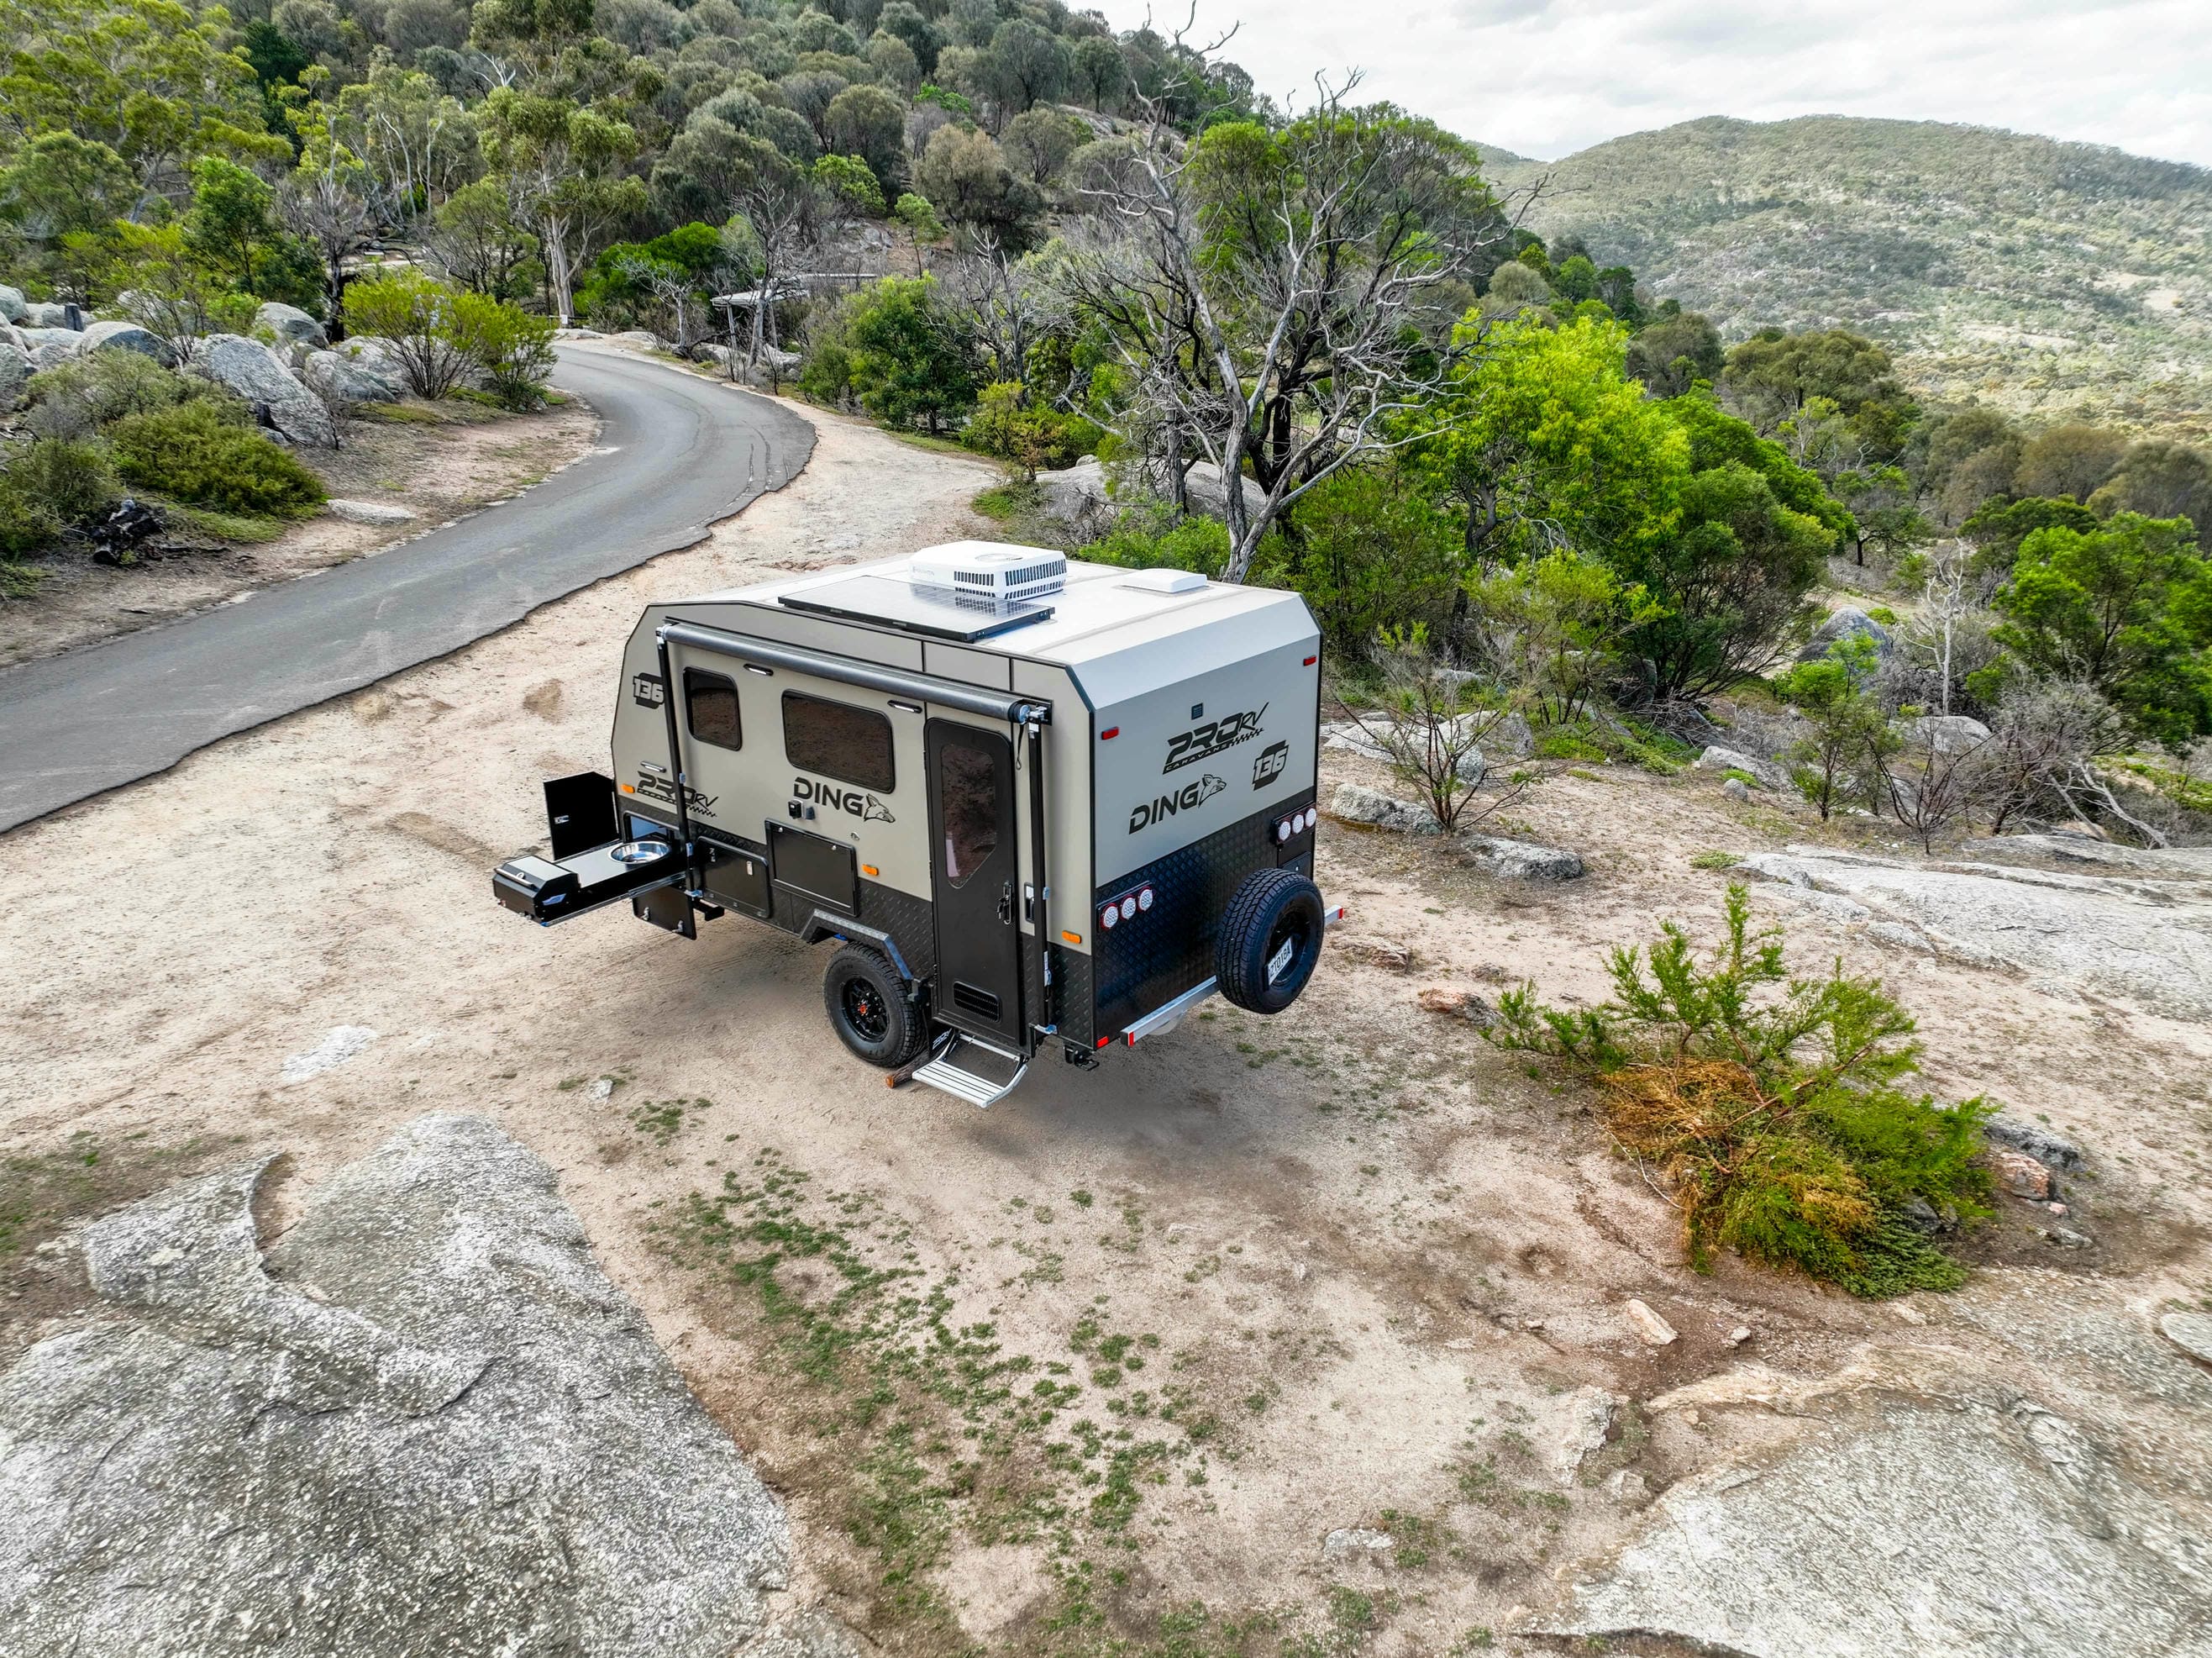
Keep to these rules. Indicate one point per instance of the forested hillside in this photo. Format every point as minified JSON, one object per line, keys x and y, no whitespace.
{"x":2048,"y":277}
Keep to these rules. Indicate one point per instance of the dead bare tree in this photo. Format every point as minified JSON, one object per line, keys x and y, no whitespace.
{"x":1265,"y":290}
{"x":1011,"y":303}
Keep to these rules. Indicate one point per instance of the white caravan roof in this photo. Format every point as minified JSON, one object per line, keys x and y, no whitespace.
{"x":1120,"y":632}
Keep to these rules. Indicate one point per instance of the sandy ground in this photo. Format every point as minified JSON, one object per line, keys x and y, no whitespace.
{"x":439,"y":471}
{"x":1364,"y":1259}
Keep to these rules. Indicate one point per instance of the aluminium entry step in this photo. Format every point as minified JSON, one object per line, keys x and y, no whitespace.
{"x":972,"y":1070}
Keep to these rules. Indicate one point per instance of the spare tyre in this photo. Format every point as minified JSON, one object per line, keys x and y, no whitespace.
{"x":1270,"y":940}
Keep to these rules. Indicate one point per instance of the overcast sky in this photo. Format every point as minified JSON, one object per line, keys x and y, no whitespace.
{"x":1547,"y":78}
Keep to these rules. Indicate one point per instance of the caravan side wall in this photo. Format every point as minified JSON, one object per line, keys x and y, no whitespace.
{"x":1188,"y":792}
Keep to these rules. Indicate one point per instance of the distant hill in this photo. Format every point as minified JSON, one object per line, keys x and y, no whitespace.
{"x":2049,"y":277}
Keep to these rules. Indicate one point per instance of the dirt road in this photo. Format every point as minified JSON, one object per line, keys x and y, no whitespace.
{"x":1118,"y":1356}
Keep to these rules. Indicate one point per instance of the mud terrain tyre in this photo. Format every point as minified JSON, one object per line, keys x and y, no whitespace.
{"x":870,"y":1008}
{"x":1270,"y":940}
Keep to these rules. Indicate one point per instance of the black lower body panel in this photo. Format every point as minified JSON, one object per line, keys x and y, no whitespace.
{"x":1144,"y":962}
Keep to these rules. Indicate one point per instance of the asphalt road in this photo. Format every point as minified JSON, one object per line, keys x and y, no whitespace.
{"x":676,"y":453}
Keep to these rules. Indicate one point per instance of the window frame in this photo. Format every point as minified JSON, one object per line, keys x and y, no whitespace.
{"x":737,"y":709}
{"x":888,"y":782}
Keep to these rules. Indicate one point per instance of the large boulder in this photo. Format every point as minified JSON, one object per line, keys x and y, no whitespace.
{"x":12,"y":308}
{"x":1844,"y":623}
{"x":1077,"y":498}
{"x":290,"y":325}
{"x":1353,"y":737}
{"x":354,"y":373}
{"x":49,"y":354}
{"x":15,"y":368}
{"x":115,"y":336}
{"x":1374,"y":810}
{"x":1523,"y":860}
{"x":424,"y":1422}
{"x":1203,"y":485}
{"x":46,"y":315}
{"x":253,"y":371}
{"x":1947,"y":734}
{"x":1766,"y":773}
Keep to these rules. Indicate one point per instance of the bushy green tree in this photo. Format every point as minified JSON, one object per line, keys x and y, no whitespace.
{"x":1552,"y":627}
{"x":1848,"y":733}
{"x":231,"y":227}
{"x":1675,"y":350}
{"x":1371,"y":552}
{"x":510,"y":347}
{"x":1541,"y":437}
{"x":909,"y":363}
{"x":2127,"y":608}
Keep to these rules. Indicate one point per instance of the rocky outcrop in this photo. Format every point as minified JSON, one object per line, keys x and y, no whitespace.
{"x":252,"y":370}
{"x":12,"y":308}
{"x":46,"y":315}
{"x":2045,"y":1492}
{"x":424,"y":1423}
{"x":289,"y":326}
{"x":2142,"y":940}
{"x":124,"y":337}
{"x":1844,"y":623}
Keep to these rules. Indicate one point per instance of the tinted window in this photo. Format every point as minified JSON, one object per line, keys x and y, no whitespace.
{"x":853,"y":744}
{"x":710,"y":707}
{"x":968,"y":795}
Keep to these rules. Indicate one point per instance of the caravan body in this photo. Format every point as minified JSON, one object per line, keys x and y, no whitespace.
{"x":1035,"y":788}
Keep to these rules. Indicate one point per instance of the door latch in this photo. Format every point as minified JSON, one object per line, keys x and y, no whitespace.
{"x":1006,"y":904}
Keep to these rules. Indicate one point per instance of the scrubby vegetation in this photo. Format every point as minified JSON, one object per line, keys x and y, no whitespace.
{"x":1773,"y":1108}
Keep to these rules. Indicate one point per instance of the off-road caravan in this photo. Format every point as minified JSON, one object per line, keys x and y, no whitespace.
{"x":1034,"y":803}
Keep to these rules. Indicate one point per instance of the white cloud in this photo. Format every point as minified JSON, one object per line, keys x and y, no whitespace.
{"x":1546,"y":77}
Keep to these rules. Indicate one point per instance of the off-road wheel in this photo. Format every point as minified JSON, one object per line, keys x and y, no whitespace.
{"x":871,"y":1009}
{"x":1270,"y":940}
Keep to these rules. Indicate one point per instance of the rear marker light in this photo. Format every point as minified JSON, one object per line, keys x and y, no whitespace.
{"x":870,"y":869}
{"x":629,"y":788}
{"x":1110,"y":732}
{"x":1072,"y":938}
{"x":1309,"y":661}
{"x":1103,"y":1040}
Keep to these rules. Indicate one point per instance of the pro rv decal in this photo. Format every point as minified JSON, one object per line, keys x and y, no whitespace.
{"x":660,"y":789}
{"x":1269,"y":766}
{"x":1187,"y":798}
{"x":854,"y":802}
{"x":1203,"y":742}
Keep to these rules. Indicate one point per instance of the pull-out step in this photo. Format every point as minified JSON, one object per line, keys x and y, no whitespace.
{"x":972,"y":1070}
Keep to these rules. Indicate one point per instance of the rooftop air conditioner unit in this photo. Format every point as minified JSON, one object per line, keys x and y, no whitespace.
{"x":985,"y":572}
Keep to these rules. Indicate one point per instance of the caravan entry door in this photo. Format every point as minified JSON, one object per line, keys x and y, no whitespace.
{"x":976,"y":866}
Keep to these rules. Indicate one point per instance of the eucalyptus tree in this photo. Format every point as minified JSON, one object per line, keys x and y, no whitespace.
{"x":1265,"y":285}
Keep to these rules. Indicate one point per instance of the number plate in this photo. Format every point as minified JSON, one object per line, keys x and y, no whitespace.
{"x":1281,"y":960}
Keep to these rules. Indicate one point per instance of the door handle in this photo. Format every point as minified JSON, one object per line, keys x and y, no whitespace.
{"x":1006,"y":904}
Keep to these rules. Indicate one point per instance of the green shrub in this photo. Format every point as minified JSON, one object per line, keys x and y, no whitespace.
{"x":1153,"y":538}
{"x":206,"y":454}
{"x":511,"y":348}
{"x":1025,"y":435}
{"x":88,"y":394}
{"x":73,"y":480}
{"x":1779,"y":1119}
{"x":28,"y":526}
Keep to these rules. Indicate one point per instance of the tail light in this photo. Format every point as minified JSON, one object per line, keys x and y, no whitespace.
{"x":1296,"y":824}
{"x":1125,"y":906}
